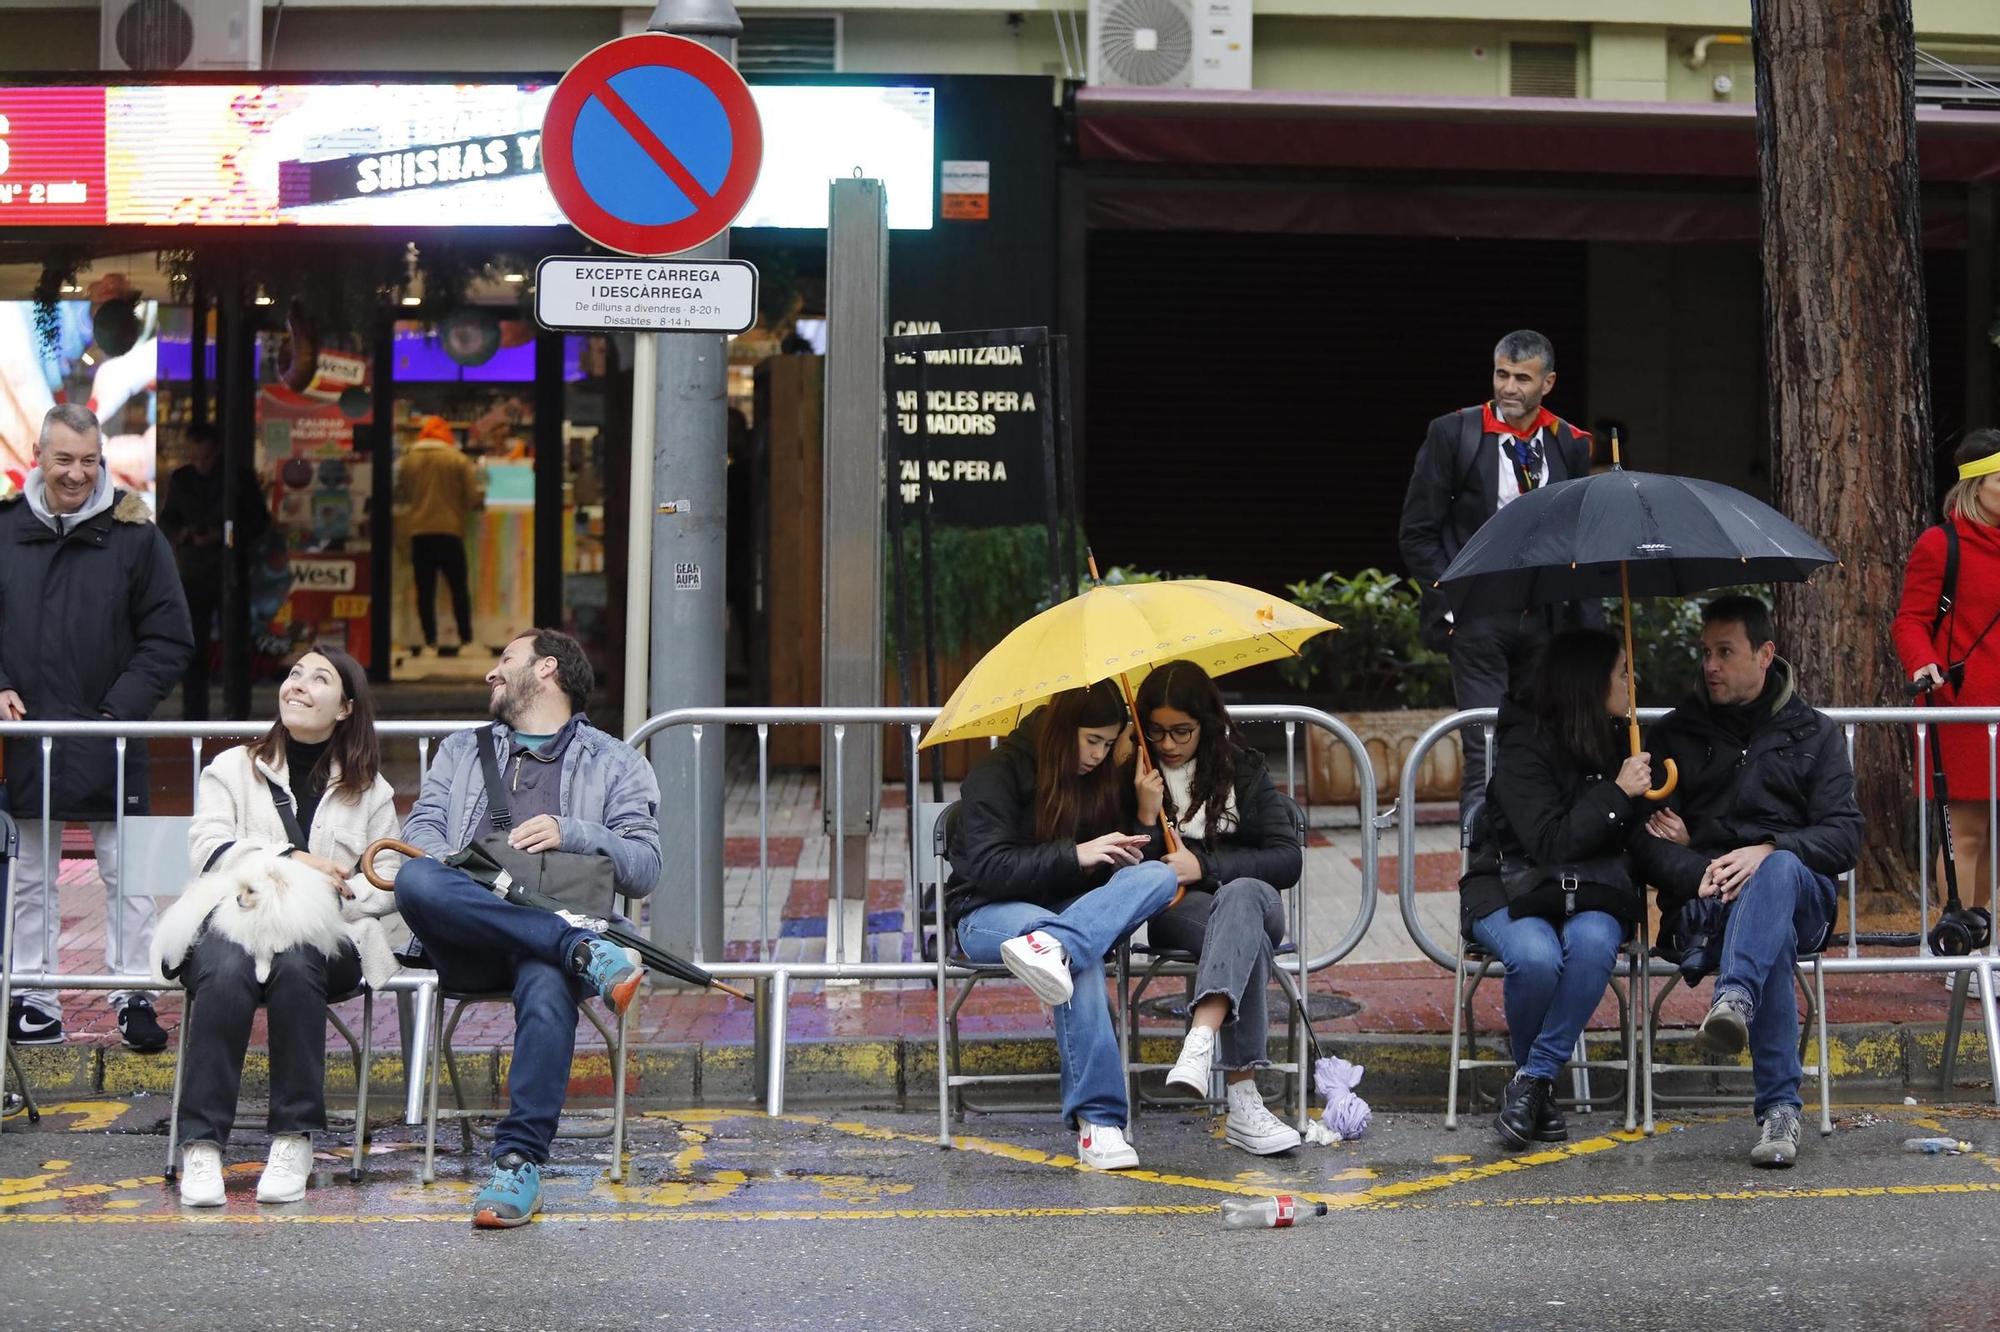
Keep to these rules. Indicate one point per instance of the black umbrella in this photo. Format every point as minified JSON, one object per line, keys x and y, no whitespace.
{"x":475,"y":862}
{"x":1624,"y":533}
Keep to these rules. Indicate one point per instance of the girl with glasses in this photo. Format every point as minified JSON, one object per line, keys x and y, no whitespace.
{"x":1239,"y":848}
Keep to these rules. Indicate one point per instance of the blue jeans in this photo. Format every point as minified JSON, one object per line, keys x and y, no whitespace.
{"x":1784,"y":910}
{"x":482,"y":943}
{"x":1554,"y":980}
{"x":1088,"y":927}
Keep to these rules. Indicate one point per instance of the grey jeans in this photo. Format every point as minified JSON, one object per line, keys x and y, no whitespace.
{"x":1228,"y":929}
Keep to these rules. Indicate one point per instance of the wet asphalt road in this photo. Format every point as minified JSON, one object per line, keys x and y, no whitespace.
{"x":856,"y":1219}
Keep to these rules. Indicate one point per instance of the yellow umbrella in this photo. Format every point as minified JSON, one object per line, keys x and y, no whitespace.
{"x":1121,"y":632}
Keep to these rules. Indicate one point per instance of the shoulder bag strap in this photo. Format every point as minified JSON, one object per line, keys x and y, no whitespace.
{"x":288,"y":814}
{"x":498,"y":808}
{"x":1949,"y":588}
{"x":1471,"y":421}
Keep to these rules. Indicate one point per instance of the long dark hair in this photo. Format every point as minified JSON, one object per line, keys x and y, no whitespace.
{"x":354,"y":746}
{"x":1186,"y":687}
{"x":1070,"y":806}
{"x":1568,"y":698}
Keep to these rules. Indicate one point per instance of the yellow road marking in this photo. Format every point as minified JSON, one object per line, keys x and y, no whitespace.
{"x":92,"y":1116}
{"x":776,"y":1214}
{"x":1734,"y":1195}
{"x":1380,"y":1194}
{"x":682,"y":1190}
{"x":40,"y":1195}
{"x":984,"y":1213}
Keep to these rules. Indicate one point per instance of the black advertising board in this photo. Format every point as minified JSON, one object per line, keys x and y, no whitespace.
{"x":970,"y":418}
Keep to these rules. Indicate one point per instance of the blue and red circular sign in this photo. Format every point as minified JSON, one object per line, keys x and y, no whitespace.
{"x":652,"y":144}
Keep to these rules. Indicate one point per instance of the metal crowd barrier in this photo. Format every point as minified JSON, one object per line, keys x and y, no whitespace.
{"x":774,"y":977}
{"x":906,"y":727}
{"x":198,"y":734}
{"x":1985,"y":963}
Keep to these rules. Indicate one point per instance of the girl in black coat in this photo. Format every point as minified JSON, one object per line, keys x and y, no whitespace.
{"x":1046,"y":877}
{"x":1239,"y":848}
{"x":1550,"y":890}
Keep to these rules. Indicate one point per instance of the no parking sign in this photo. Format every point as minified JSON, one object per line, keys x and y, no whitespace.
{"x":652,"y":144}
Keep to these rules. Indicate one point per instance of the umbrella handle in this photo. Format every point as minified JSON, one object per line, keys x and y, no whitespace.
{"x":375,"y":849}
{"x":1667,"y":788}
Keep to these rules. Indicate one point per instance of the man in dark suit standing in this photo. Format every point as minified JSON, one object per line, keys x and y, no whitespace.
{"x":1472,"y":463}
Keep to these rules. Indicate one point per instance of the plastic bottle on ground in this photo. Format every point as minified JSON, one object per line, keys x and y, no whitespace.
{"x":1281,"y":1210}
{"x":1935,"y":1146}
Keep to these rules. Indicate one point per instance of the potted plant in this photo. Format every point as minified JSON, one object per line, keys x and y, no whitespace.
{"x":1380,"y":679}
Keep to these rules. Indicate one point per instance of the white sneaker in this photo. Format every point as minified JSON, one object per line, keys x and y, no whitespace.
{"x":1972,"y":987}
{"x":1252,"y":1126}
{"x":201,"y":1175}
{"x":1191,"y":1070}
{"x":1039,"y":960}
{"x":1103,"y":1147}
{"x":288,"y":1169}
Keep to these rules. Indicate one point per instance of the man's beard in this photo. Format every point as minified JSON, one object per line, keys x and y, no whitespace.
{"x":506,"y":706}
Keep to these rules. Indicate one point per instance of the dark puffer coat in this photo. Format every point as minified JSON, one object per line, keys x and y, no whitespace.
{"x":93,"y":624}
{"x":1788,"y":783}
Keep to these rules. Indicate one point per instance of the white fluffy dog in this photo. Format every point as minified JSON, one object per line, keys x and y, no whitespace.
{"x":264,"y":905}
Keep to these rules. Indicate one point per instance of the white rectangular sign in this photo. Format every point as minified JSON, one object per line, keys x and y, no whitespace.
{"x":654,"y":295}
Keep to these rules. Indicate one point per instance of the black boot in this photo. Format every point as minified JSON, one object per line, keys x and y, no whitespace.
{"x":1553,"y":1127}
{"x":1521,"y":1108}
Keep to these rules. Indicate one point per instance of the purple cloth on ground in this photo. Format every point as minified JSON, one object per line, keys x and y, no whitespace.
{"x":1346,"y":1114}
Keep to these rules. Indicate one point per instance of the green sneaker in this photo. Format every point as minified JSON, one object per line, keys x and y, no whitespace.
{"x":511,"y":1197}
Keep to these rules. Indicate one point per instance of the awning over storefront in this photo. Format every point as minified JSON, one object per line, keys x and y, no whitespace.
{"x":1532,"y":168}
{"x":1341,"y":130}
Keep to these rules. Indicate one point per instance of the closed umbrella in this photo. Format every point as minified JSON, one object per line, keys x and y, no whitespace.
{"x":494,"y":877}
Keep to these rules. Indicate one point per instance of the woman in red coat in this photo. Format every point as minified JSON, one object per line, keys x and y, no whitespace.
{"x":1968,"y":638}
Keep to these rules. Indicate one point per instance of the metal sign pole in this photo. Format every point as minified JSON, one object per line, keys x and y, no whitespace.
{"x":857,"y":272}
{"x":690,"y":481}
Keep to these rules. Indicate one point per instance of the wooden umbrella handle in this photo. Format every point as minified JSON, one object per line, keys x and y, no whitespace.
{"x":1666,"y":788}
{"x":377,"y":848}
{"x":1631,"y":695}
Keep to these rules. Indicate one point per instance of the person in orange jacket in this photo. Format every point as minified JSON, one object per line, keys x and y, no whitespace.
{"x":437,"y":488}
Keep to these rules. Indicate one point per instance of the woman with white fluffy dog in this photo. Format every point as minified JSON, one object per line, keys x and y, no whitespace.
{"x":273,"y":923}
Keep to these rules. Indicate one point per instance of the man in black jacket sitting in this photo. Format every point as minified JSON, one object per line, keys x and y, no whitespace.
{"x":1762,"y":821}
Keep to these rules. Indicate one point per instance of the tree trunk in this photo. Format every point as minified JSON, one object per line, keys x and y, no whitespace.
{"x":1847,"y":361}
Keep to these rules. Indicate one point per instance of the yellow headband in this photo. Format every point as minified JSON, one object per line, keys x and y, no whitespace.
{"x":1979,"y":467}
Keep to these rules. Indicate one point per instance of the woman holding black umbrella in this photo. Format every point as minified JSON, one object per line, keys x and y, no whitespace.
{"x":1945,"y":634}
{"x":1550,"y":890}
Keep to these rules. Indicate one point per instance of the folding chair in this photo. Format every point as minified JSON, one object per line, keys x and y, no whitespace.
{"x":941,"y":947}
{"x":1174,"y":963}
{"x":154,"y":866}
{"x":361,"y":1050}
{"x":956,"y":976}
{"x":1476,"y":964}
{"x":1814,"y":1026}
{"x":442,"y":1031}
{"x":10,"y":845}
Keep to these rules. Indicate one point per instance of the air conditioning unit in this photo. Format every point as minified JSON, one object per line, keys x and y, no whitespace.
{"x":1170,"y":43}
{"x":181,"y":34}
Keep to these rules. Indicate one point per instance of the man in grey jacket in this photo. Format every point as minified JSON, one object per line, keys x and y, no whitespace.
{"x":570,"y":787}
